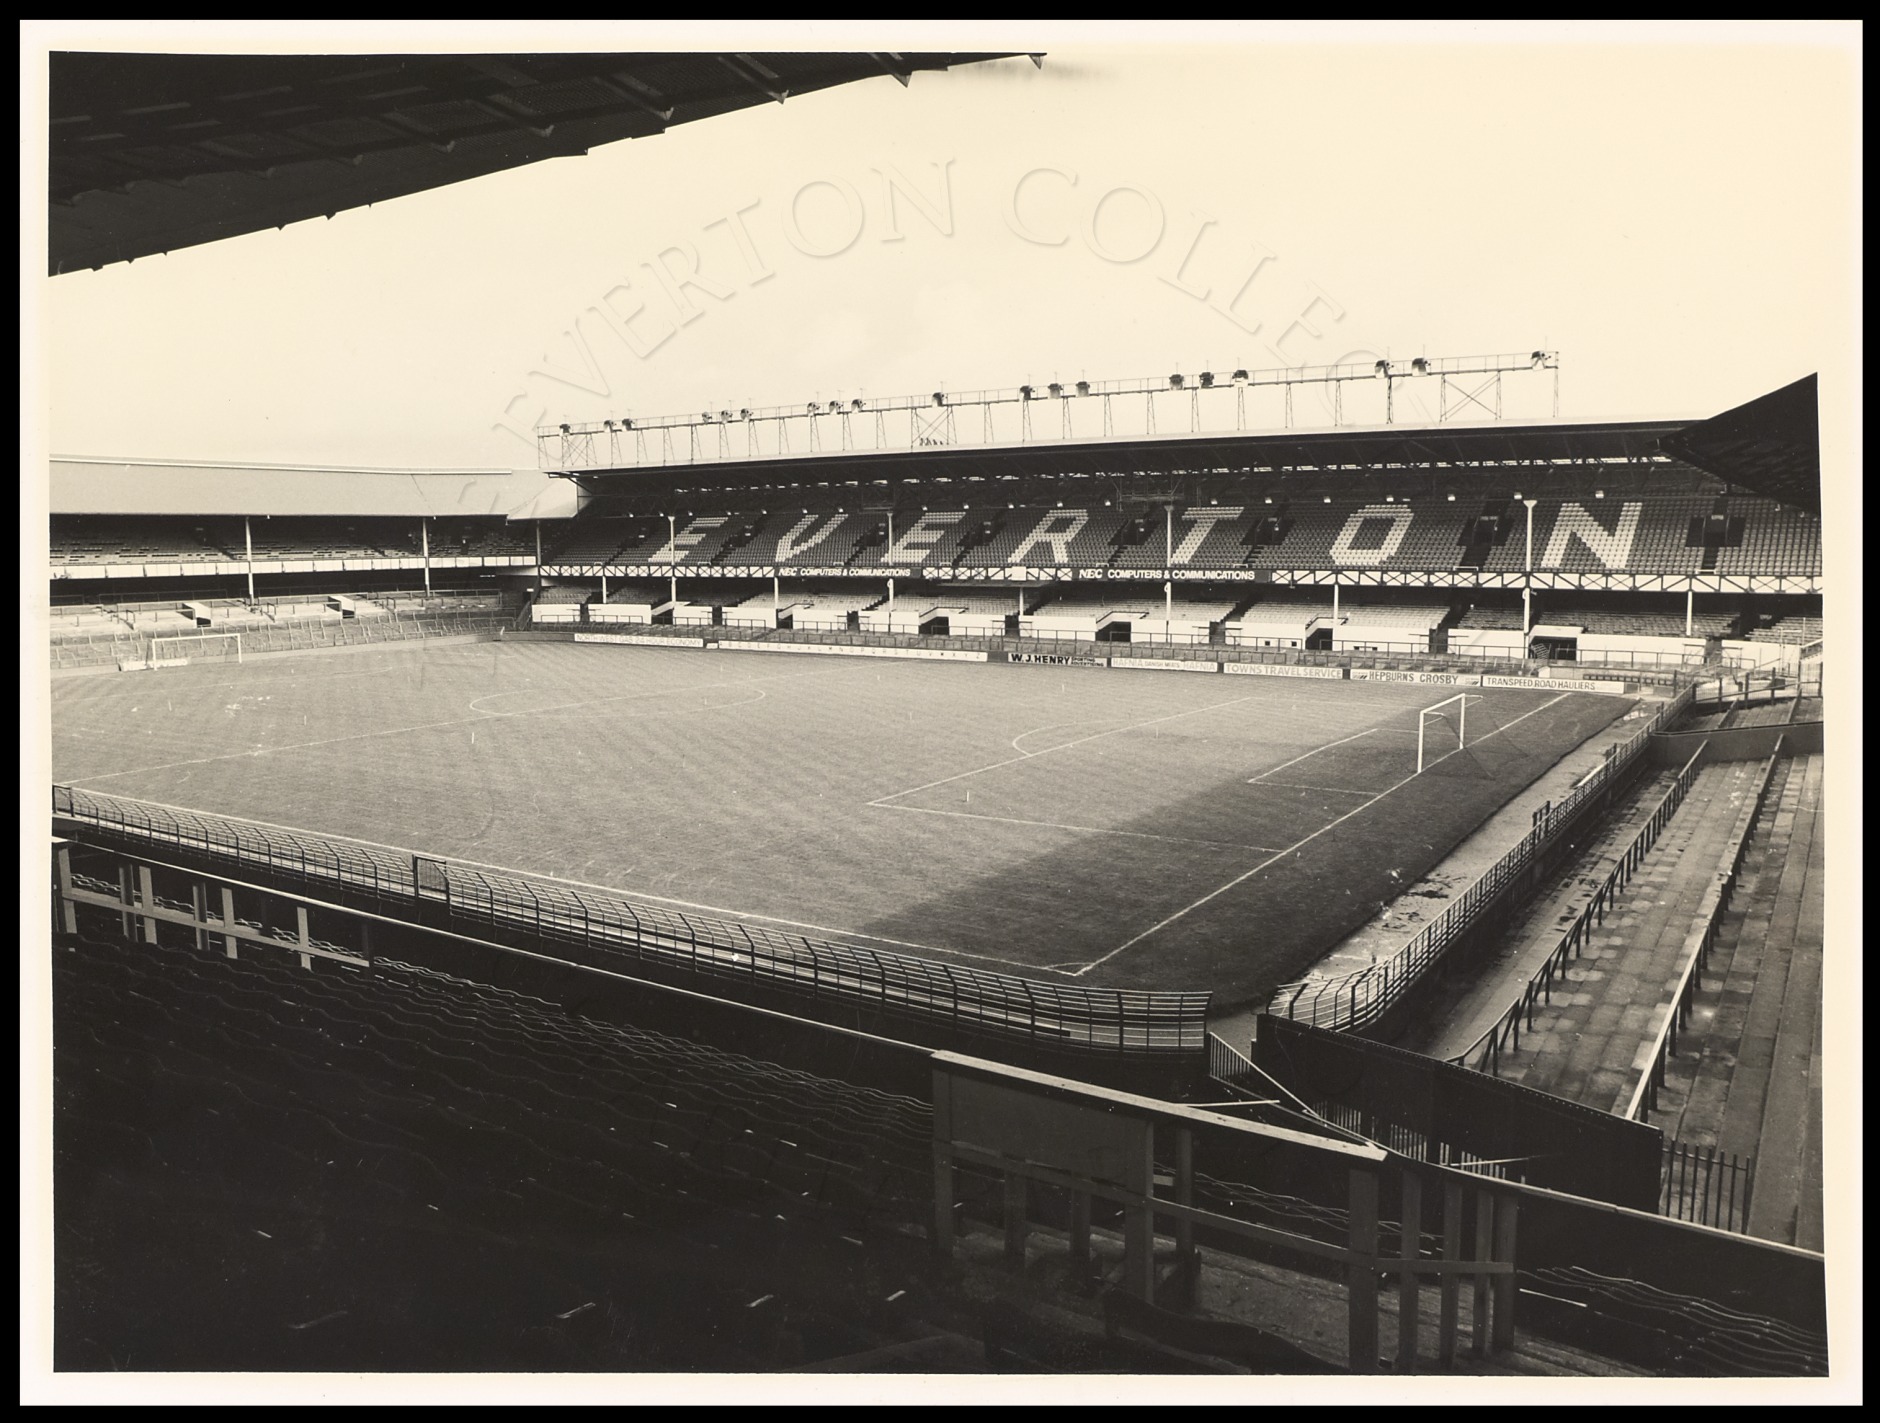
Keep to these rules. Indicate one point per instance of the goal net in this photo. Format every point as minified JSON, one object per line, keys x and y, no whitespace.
{"x":179,"y":650}
{"x":1442,"y":730}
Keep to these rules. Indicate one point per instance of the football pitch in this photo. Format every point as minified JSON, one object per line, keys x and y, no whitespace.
{"x":1109,"y":827}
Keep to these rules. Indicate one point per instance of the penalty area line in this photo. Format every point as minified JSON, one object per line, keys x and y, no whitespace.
{"x":1243,"y":877}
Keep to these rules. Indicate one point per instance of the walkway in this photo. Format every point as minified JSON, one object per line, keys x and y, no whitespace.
{"x":1747,"y":1076}
{"x":1585,"y":1046}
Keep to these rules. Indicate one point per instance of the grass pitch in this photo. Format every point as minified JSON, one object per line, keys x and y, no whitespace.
{"x":1099,"y":826}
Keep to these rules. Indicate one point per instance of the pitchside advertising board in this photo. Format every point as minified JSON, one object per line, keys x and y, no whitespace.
{"x":628,"y":639}
{"x":1160,"y":664}
{"x":1558,"y":684}
{"x":1441,"y":679}
{"x":1277,"y":669}
{"x":1052,"y":659}
{"x":924,"y":654}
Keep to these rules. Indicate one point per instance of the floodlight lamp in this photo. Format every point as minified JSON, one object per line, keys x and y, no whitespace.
{"x":725,"y":415}
{"x":939,"y":397}
{"x":625,"y":423}
{"x":1175,"y":382}
{"x":1538,"y":359}
{"x":855,"y":404}
{"x":835,"y":406}
{"x":1056,"y":389}
{"x":567,"y":429}
{"x":1382,"y":368}
{"x":1240,"y":377}
{"x":744,"y":414}
{"x":1024,"y":392}
{"x":1207,"y":379}
{"x":1419,"y":367}
{"x":812,"y":407}
{"x":1083,"y":387}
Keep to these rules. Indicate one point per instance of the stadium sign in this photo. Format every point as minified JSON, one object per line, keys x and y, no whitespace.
{"x":638,"y":639}
{"x":1441,"y":679}
{"x":1557,"y":684}
{"x":1052,"y":659}
{"x":929,"y":654}
{"x":1278,"y":669}
{"x":1163,"y":664}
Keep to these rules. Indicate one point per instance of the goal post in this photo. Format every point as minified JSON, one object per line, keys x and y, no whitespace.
{"x":1440,"y":715}
{"x":176,"y":651}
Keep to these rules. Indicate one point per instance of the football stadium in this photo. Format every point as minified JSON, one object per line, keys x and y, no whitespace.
{"x":766,"y":888}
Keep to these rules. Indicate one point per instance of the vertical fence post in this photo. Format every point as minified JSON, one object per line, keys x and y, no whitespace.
{"x":1506,"y":1211}
{"x":942,"y":1164}
{"x":1409,"y":1247}
{"x":1139,"y":1216}
{"x":149,"y":896}
{"x":1451,"y":1283}
{"x":300,"y":934}
{"x":1361,"y":1274}
{"x":1185,"y":1195}
{"x":1484,"y":1251}
{"x":68,"y":912}
{"x":228,"y":922}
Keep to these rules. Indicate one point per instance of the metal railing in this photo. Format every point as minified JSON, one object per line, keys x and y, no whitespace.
{"x":1485,"y":1053}
{"x":1229,"y":1064}
{"x":1357,"y":1000}
{"x":771,"y":965}
{"x":1708,"y":1186}
{"x":1703,"y":938}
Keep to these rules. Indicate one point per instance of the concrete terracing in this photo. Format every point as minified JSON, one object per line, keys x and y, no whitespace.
{"x":1747,"y":1076}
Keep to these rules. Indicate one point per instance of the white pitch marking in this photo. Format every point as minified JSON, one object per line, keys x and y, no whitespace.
{"x":1242,"y":878}
{"x":1301,"y":786}
{"x":1062,"y":746}
{"x":1369,"y":730}
{"x":1053,"y":726}
{"x":1060,"y":825}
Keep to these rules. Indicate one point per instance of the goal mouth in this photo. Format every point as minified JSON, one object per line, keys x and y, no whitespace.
{"x":177,"y":650}
{"x":1434,"y":725}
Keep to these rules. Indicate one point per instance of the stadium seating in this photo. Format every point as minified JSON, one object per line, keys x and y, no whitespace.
{"x":1775,"y":540}
{"x":1646,"y":534}
{"x":1793,"y":630}
{"x":807,"y":539}
{"x":110,"y":540}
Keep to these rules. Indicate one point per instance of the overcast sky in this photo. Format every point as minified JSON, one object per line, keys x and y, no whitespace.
{"x":1673,"y":218}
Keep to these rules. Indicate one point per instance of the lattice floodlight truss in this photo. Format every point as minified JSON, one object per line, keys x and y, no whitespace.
{"x":1462,"y":389}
